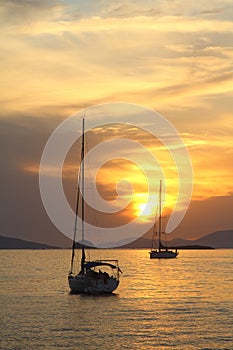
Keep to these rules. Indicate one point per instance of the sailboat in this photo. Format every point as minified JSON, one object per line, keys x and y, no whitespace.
{"x":162,"y":252}
{"x":88,"y":280}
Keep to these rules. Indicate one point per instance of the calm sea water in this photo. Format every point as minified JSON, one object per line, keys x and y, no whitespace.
{"x":186,"y":303}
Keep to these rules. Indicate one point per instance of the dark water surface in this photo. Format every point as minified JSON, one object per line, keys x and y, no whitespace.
{"x":184,"y":303}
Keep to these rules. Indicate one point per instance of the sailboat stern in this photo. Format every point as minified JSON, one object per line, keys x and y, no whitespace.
{"x":90,"y":285}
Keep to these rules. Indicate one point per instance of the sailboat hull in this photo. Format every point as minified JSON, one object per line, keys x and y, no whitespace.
{"x":167,"y":254}
{"x":83,"y":284}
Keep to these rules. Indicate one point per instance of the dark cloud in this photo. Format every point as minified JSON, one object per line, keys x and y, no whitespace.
{"x":21,"y":211}
{"x":24,"y":12}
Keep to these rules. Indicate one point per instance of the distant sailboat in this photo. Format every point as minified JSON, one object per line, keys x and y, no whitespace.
{"x":88,"y":280}
{"x":162,"y":252}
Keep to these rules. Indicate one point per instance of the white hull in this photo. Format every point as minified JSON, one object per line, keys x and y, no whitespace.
{"x":90,"y":285}
{"x":166,"y":254}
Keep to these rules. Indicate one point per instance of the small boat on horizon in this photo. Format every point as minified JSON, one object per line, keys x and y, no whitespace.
{"x":161,"y":252}
{"x":88,"y":280}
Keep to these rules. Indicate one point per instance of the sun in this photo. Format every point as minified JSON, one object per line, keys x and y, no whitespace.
{"x":143,"y":208}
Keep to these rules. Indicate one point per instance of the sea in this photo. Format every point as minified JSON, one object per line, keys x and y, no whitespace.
{"x":184,"y":303}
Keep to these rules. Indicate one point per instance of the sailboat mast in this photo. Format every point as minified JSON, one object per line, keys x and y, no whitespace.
{"x":160,"y":217}
{"x":76,"y":219}
{"x":83,"y":216}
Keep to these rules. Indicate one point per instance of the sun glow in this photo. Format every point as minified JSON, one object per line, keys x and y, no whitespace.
{"x":143,"y":207}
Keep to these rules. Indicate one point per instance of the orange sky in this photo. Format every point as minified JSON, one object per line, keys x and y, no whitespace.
{"x":171,"y":56}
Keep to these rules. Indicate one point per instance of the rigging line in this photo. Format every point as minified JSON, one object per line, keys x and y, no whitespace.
{"x":77,"y":205}
{"x":94,"y":237}
{"x":83,"y":184}
{"x":75,"y":223}
{"x":154,"y":232}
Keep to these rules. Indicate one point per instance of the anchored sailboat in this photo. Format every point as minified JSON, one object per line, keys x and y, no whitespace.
{"x":162,"y":252}
{"x":88,"y":280}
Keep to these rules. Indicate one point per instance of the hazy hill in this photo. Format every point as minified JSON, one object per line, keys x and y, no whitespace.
{"x":16,"y":243}
{"x":219,"y":239}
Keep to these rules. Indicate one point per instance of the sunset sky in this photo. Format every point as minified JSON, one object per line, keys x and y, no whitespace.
{"x":174,"y":57}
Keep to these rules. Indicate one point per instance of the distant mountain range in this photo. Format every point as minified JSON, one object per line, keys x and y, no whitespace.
{"x":16,"y":243}
{"x":219,"y":239}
